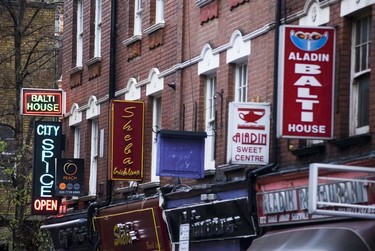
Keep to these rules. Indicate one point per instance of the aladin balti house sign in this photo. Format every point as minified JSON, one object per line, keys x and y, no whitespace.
{"x":306,"y":71}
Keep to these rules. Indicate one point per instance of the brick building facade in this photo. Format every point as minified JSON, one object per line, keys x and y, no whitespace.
{"x":188,"y":62}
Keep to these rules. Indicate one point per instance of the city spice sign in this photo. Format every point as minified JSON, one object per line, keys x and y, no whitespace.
{"x":47,"y":147}
{"x":127,"y":121}
{"x":42,"y":102}
{"x":306,"y":72}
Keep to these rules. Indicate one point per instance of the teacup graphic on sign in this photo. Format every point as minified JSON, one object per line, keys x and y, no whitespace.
{"x":308,"y":41}
{"x":252,"y":115}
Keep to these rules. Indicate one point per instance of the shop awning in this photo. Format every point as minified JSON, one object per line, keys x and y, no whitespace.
{"x":63,"y":224}
{"x":343,"y":236}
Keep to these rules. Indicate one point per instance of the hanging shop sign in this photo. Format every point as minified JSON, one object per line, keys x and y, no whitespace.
{"x":216,"y":220}
{"x":249,"y":133}
{"x":69,"y":177}
{"x":47,"y":147}
{"x":306,"y":72}
{"x":134,"y":227}
{"x":68,"y":232}
{"x":42,"y":102}
{"x":345,"y":192}
{"x":342,"y":195}
{"x":286,"y":206}
{"x":127,"y":133}
{"x":180,"y":154}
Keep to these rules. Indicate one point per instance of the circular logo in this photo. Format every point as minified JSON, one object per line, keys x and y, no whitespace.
{"x":62,"y":186}
{"x":70,"y":168}
{"x":69,"y":186}
{"x":76,"y":186}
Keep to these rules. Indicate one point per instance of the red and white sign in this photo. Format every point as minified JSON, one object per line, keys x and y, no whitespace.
{"x":339,"y":190}
{"x":306,"y":72}
{"x":248,"y":133}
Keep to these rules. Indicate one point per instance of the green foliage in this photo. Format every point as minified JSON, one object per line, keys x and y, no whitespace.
{"x":27,"y":59}
{"x":3,"y":145}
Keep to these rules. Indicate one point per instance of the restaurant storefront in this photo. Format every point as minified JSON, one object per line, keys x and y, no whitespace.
{"x":134,"y":226}
{"x":215,"y":217}
{"x":324,"y":207}
{"x":69,"y":231}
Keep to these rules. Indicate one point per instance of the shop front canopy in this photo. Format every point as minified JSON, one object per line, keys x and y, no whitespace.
{"x":343,"y":236}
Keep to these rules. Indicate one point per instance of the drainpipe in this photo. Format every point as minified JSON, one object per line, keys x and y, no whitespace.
{"x":251,"y":175}
{"x":93,"y":207}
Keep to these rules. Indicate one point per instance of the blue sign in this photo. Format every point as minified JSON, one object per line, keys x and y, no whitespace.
{"x":180,"y":154}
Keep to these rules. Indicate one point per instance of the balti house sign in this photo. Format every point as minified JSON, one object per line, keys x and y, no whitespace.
{"x":42,"y":102}
{"x":127,"y":123}
{"x":306,"y":82}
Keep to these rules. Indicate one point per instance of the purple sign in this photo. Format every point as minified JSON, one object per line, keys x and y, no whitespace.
{"x":181,"y":154}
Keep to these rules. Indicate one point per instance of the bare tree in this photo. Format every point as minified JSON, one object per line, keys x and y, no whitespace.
{"x":28,"y":58}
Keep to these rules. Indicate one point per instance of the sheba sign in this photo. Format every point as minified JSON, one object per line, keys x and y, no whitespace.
{"x":306,"y":71}
{"x":47,"y":147}
{"x":42,"y":102}
{"x":127,"y":119}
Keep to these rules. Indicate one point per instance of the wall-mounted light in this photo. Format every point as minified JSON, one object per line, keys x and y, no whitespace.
{"x":172,"y":85}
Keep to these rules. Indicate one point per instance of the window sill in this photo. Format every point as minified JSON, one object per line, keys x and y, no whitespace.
{"x":201,"y":3}
{"x":149,"y":185}
{"x":75,"y":70}
{"x":126,"y":189}
{"x":93,"y":61}
{"x":230,"y":167}
{"x":209,"y":172}
{"x":309,"y":150}
{"x":352,"y":140}
{"x":154,"y":28}
{"x":132,"y":39}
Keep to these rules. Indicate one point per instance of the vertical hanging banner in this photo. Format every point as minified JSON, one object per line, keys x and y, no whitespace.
{"x":306,"y":80}
{"x":248,"y":133}
{"x":126,"y":135}
{"x":47,"y":147}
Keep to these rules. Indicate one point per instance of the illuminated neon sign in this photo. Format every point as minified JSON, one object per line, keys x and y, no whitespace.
{"x":47,"y":146}
{"x":42,"y":102}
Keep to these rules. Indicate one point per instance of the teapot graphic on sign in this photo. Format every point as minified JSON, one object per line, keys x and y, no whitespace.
{"x":252,"y":115}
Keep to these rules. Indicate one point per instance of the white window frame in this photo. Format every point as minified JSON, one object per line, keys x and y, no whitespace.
{"x":94,"y":156}
{"x":137,"y":17}
{"x":358,"y":73}
{"x":79,"y":45}
{"x":156,"y":126}
{"x":77,"y":142}
{"x":159,"y":11}
{"x":98,"y":28}
{"x":241,"y":82}
{"x":210,"y":122}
